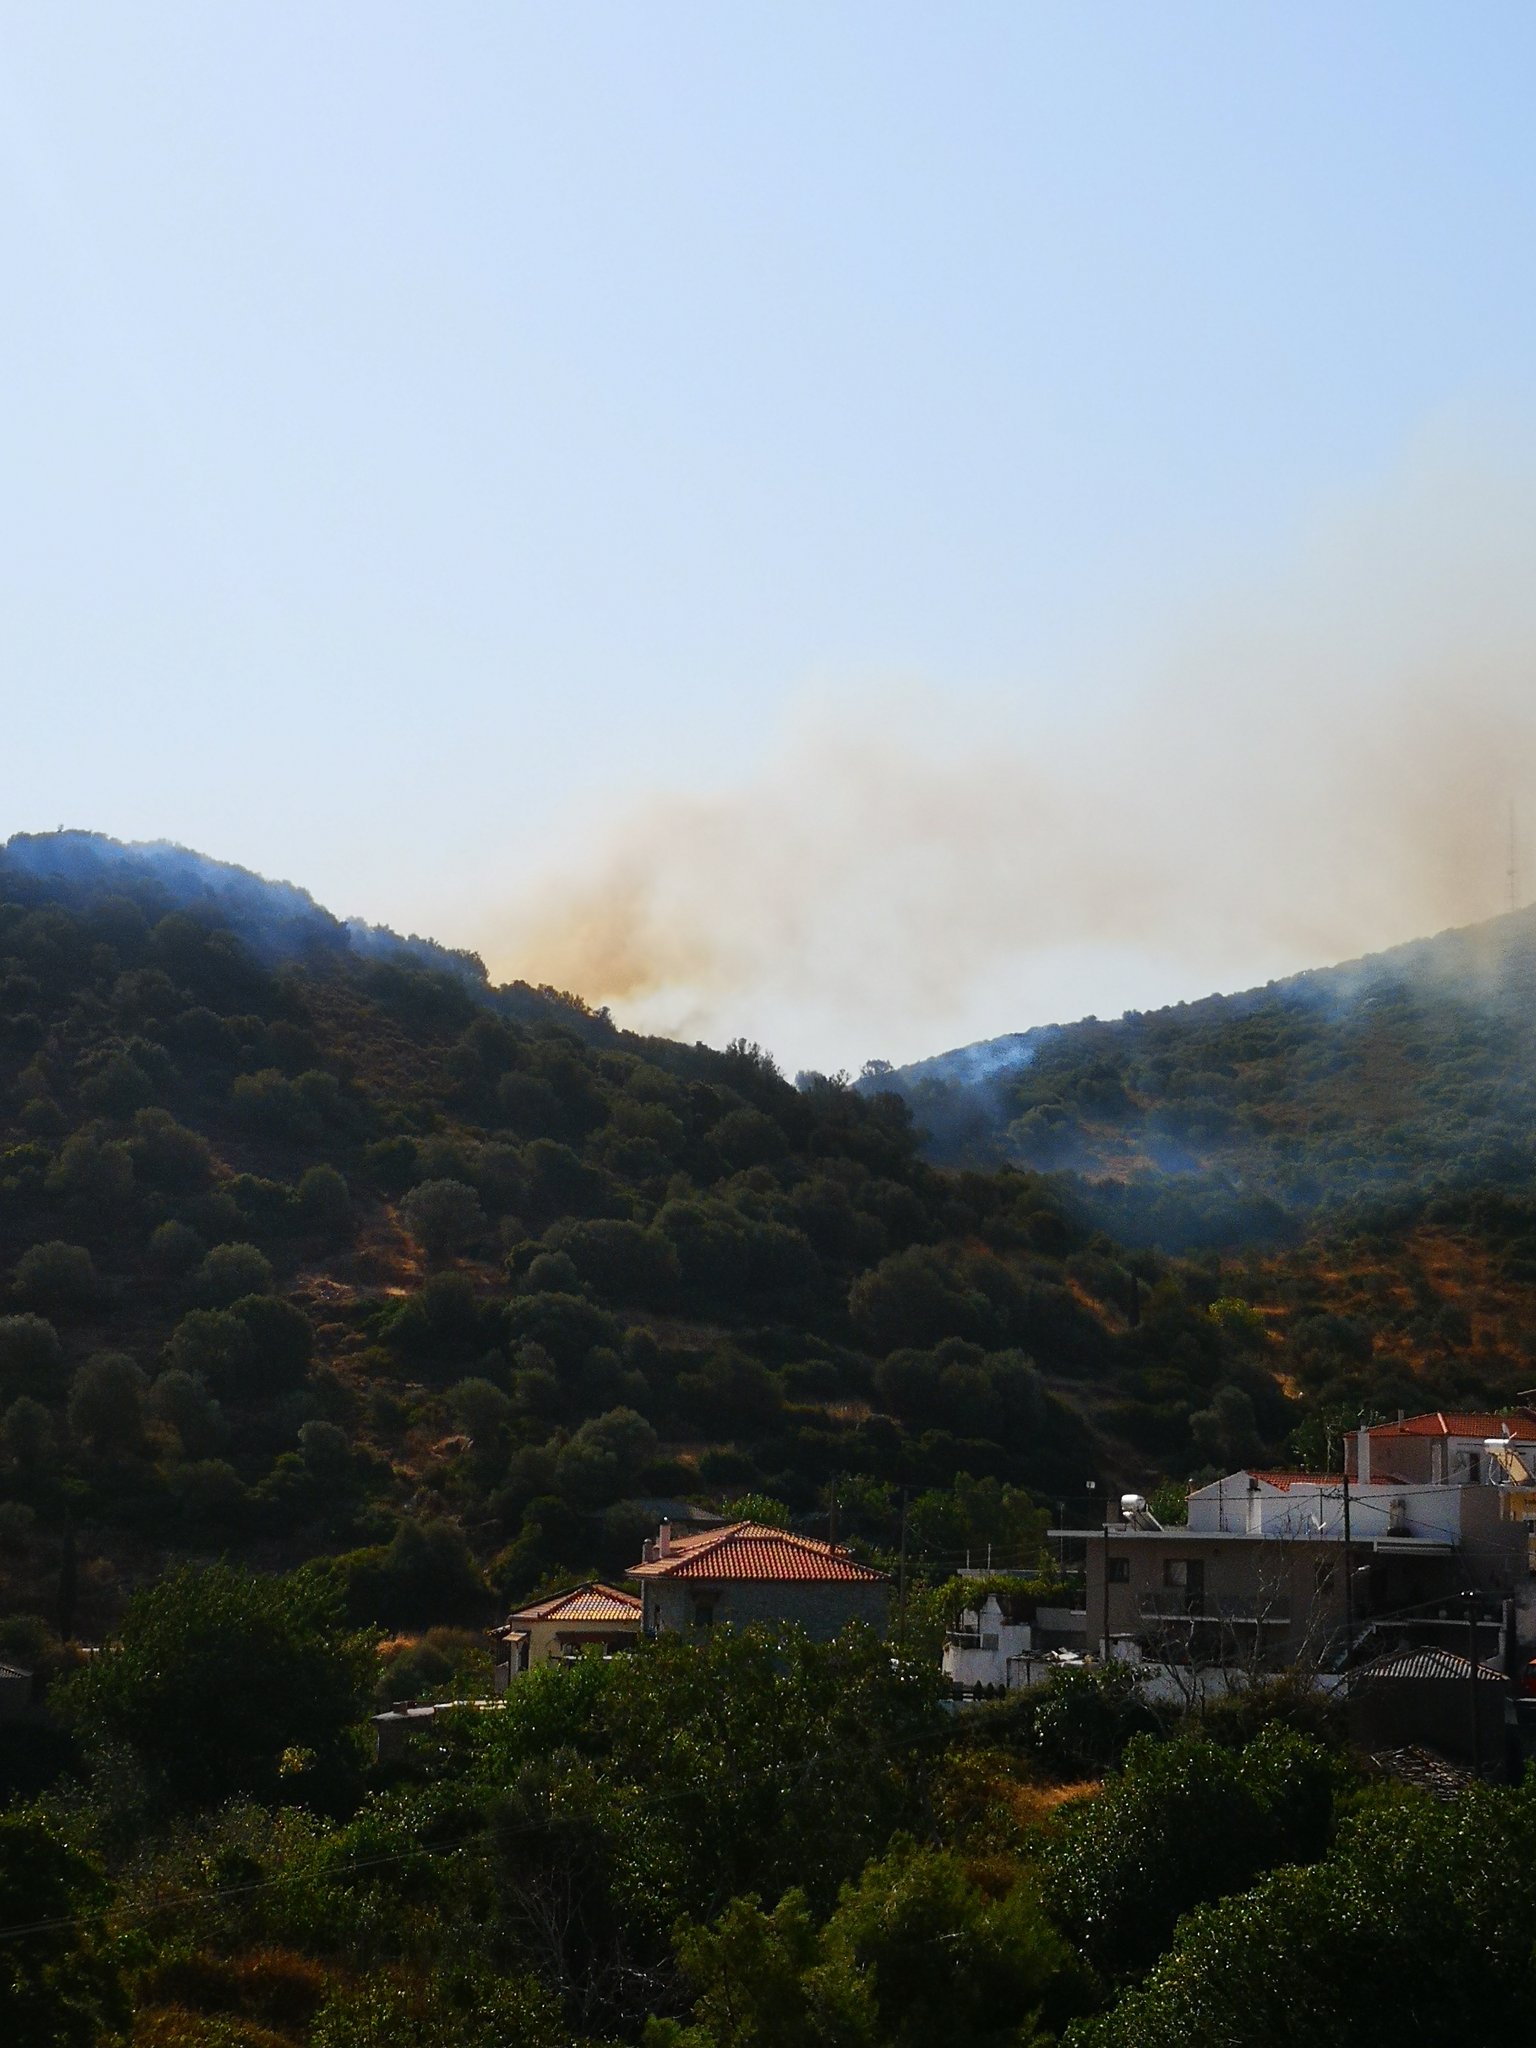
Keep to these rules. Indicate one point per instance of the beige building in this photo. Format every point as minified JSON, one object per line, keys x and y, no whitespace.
{"x":593,"y":1617}
{"x":747,"y":1572}
{"x":1276,"y":1568}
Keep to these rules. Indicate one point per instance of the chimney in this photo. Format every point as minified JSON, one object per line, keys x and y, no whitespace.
{"x":664,"y":1540}
{"x":648,"y":1551}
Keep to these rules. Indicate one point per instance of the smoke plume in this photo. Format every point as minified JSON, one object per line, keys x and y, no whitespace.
{"x":1321,"y":765}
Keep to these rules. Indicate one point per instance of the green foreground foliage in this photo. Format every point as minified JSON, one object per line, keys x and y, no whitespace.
{"x":743,"y":1841}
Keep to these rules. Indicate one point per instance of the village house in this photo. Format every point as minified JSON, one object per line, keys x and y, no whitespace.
{"x":1276,"y":1568}
{"x":1009,"y":1640}
{"x":748,"y":1572}
{"x":591,"y":1619}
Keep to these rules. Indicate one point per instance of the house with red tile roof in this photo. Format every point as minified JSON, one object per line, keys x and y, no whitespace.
{"x":588,"y":1619}
{"x":748,"y":1572}
{"x":1444,"y":1448}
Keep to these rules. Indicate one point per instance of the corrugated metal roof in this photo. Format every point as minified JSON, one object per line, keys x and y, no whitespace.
{"x":752,"y":1550}
{"x":1430,"y":1663}
{"x":592,"y":1602}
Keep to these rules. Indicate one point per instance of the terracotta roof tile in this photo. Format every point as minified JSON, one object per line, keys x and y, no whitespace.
{"x":751,"y":1550}
{"x":1522,"y":1426}
{"x":592,"y":1602}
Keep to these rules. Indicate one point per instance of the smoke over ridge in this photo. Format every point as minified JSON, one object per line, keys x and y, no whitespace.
{"x":1321,"y":766}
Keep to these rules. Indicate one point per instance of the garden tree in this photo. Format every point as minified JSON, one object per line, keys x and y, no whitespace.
{"x":444,"y":1217}
{"x":31,"y":1356}
{"x":60,"y":1984}
{"x":106,"y":1405}
{"x":56,"y":1276}
{"x":1419,"y":1921}
{"x":761,"y":1980}
{"x":221,"y":1681}
{"x":457,"y":2007}
{"x":1180,"y":1823}
{"x":232,"y":1270}
{"x":181,"y":1401}
{"x":914,"y":1953}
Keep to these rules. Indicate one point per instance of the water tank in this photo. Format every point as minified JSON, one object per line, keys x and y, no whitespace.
{"x":1132,"y":1505}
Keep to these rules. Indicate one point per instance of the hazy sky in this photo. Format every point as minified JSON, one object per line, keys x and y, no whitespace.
{"x":444,"y":445}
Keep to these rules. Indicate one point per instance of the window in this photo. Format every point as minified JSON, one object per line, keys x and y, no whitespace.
{"x":1119,"y":1569}
{"x":1186,"y":1575}
{"x":1474,"y":1469}
{"x":703,"y":1615}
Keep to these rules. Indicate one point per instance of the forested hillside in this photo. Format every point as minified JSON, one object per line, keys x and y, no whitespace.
{"x":1251,"y":1116}
{"x":323,"y":1248}
{"x":348,"y":1298}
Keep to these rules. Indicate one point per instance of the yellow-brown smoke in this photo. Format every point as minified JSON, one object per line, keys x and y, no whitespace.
{"x":1322,"y":767}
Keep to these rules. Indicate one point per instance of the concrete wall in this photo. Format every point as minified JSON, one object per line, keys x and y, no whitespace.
{"x":672,"y":1606}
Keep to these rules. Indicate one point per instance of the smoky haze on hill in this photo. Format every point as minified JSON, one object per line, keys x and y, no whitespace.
{"x":1320,"y":764}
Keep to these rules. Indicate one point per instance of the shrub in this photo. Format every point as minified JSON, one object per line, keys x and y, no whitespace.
{"x":31,"y":1357}
{"x":231,"y":1270}
{"x":56,"y":1275}
{"x":444,"y":1217}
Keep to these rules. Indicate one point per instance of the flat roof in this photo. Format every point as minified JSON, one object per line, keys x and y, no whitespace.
{"x":1421,"y":1545}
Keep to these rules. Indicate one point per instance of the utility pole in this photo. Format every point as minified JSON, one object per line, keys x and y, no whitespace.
{"x":901,"y":1584}
{"x":1349,"y":1581}
{"x":1472,"y":1669}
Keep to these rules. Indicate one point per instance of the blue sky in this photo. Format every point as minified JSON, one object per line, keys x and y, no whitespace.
{"x":431,"y":437}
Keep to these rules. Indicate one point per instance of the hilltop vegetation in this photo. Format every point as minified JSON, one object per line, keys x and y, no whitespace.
{"x":323,"y":1250}
{"x":347,"y":1298}
{"x":314,"y":1249}
{"x":1260,"y":1115}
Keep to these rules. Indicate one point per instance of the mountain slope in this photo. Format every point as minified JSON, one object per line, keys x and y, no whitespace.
{"x":1406,"y":1072}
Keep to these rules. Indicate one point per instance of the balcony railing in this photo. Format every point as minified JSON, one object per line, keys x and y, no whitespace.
{"x":1217,"y":1607}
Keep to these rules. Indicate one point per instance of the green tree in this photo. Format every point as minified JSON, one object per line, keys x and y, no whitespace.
{"x":232,"y":1270}
{"x":444,"y":1217}
{"x":31,"y":1356}
{"x":217,"y":1674}
{"x":1418,"y":1924}
{"x":56,"y":1275}
{"x":1184,"y":1821}
{"x":59,"y":1987}
{"x":106,"y":1405}
{"x":27,"y":1433}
